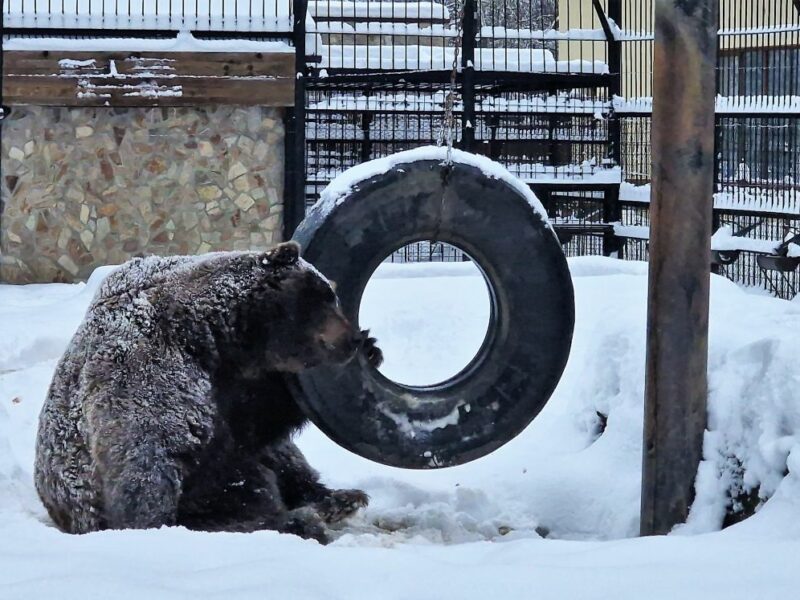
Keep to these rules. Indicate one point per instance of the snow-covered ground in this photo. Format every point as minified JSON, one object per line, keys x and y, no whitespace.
{"x":553,"y":514}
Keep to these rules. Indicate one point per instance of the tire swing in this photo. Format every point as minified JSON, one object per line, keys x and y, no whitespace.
{"x":475,"y":204}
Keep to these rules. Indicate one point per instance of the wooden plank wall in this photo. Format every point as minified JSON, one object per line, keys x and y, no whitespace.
{"x":100,"y":78}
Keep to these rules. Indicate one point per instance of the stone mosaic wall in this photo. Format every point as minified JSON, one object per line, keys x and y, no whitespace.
{"x":83,"y":187}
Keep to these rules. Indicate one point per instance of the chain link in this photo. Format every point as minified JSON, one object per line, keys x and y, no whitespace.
{"x":447,"y":130}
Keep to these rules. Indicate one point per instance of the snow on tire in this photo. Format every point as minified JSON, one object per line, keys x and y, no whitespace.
{"x":474,"y":204}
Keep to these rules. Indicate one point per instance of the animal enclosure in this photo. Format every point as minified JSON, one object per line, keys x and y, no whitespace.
{"x":559,"y":91}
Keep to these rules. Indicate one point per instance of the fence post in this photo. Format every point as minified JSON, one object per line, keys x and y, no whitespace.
{"x":678,"y":293}
{"x":615,"y":85}
{"x":366,"y":142}
{"x":468,"y":123}
{"x":294,"y":207}
{"x":612,"y":213}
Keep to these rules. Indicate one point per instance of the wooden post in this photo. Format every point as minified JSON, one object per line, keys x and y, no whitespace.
{"x":681,"y":204}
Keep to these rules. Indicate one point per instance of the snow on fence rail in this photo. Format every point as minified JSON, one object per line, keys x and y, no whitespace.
{"x":587,"y":173}
{"x":574,"y":34}
{"x":435,"y":102}
{"x":416,"y":57}
{"x":383,"y":28}
{"x":723,"y":239}
{"x":379,"y":10}
{"x":733,"y":198}
{"x":768,"y":105}
{"x":648,"y":36}
{"x":183,"y":42}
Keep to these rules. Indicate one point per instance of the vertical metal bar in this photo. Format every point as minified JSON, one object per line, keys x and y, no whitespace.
{"x":677,"y":318}
{"x":366,"y":142}
{"x":294,"y":201}
{"x":289,"y":172}
{"x":468,"y":77}
{"x":2,"y":33}
{"x":612,"y":213}
{"x":718,"y":142}
{"x":615,"y":85}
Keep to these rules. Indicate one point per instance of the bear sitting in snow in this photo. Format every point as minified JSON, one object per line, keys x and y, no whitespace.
{"x":170,"y":405}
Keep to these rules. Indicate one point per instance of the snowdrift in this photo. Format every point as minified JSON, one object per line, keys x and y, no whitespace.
{"x":539,"y":515}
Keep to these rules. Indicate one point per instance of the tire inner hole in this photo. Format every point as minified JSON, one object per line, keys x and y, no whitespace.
{"x":429,"y":306}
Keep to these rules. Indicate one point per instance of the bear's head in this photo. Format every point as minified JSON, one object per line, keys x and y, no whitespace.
{"x":271,"y":311}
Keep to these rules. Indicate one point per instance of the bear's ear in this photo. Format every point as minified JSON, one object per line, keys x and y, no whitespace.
{"x":284,"y":254}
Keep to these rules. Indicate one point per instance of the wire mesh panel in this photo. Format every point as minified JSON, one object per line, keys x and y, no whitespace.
{"x":519,"y":36}
{"x":428,"y":251}
{"x":541,"y":36}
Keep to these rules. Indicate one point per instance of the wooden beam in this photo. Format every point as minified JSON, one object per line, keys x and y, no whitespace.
{"x":678,"y":295}
{"x":148,"y":78}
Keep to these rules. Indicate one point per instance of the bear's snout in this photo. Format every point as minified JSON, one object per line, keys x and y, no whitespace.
{"x":339,"y":339}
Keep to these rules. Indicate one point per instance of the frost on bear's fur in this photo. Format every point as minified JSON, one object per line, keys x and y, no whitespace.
{"x":170,"y":405}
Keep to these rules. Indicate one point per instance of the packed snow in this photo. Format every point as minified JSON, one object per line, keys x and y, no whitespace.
{"x":554,"y":513}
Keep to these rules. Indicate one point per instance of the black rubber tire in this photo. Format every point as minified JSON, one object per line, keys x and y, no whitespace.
{"x":530,"y":330}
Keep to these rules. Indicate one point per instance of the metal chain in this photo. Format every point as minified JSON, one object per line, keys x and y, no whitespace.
{"x":447,"y":130}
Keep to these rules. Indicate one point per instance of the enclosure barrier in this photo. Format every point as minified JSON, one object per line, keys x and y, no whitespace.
{"x":559,"y":91}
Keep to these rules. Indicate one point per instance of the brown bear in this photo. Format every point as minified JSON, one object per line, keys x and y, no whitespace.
{"x":170,"y":405}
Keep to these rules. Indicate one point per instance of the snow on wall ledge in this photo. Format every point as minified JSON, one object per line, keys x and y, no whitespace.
{"x":184,"y":41}
{"x":337,"y":190}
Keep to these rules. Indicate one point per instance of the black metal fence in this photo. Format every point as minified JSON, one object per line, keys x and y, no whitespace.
{"x":559,"y":91}
{"x":143,"y":17}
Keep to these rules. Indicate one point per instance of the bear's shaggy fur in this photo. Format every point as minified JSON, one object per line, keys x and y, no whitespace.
{"x":170,"y":405}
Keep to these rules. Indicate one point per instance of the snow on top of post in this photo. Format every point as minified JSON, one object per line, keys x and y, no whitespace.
{"x":337,"y":190}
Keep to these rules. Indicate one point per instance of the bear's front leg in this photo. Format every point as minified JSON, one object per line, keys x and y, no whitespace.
{"x":234,"y":492}
{"x":300,"y":486}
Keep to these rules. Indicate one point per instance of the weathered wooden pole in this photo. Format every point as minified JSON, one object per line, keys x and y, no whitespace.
{"x":681,"y":207}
